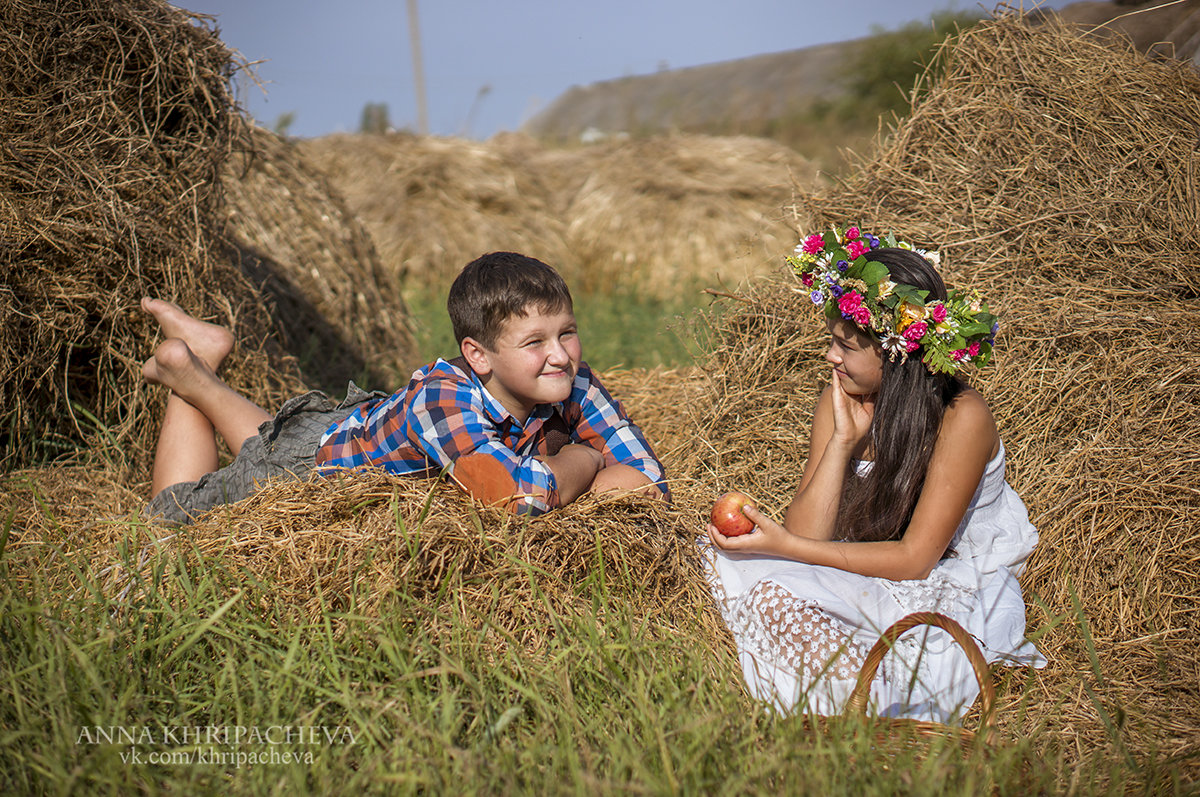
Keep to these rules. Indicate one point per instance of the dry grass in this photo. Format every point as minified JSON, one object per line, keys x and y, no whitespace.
{"x":1058,"y":174}
{"x":334,"y":303}
{"x":433,"y":205}
{"x":116,"y":119}
{"x":655,"y":214}
{"x":121,"y":137}
{"x":1055,"y":172}
{"x":646,"y":214}
{"x":346,"y":544}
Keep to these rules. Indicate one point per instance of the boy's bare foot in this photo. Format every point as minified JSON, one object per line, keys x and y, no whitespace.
{"x":210,"y":342}
{"x":176,"y":366}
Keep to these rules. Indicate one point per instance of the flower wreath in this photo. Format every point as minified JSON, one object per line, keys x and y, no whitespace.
{"x":837,"y":269}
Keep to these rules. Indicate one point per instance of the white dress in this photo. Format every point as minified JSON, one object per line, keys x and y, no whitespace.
{"x":802,"y":631}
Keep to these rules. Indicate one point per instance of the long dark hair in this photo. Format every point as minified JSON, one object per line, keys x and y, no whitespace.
{"x":904,"y":427}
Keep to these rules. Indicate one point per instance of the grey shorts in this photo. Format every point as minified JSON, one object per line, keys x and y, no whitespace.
{"x":284,"y":448}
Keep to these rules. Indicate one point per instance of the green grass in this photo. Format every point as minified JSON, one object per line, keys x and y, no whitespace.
{"x":620,"y":329}
{"x":610,"y":706}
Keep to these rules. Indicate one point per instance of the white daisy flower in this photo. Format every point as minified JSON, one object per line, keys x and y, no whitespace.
{"x":894,"y":344}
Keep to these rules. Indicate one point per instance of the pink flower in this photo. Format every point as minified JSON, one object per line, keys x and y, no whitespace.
{"x":938,"y":313}
{"x":911,"y":346}
{"x":916,"y":331}
{"x":852,"y":233}
{"x":806,"y":278}
{"x":849,"y":302}
{"x":973,"y":349}
{"x":856,"y":248}
{"x":958,"y":354}
{"x":861,"y":316}
{"x":813,"y":244}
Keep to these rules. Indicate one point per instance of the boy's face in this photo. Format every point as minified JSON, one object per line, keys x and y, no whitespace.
{"x":534,"y":360}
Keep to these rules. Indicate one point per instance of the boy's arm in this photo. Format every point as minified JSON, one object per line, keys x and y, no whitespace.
{"x":598,"y":420}
{"x":624,"y":477}
{"x":576,"y":467}
{"x":447,"y":421}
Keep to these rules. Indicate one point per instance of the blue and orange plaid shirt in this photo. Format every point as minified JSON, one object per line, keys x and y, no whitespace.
{"x":446,"y":419}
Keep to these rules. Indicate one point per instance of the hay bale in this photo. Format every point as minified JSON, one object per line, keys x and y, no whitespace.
{"x":650,"y":215}
{"x":351,"y":543}
{"x":434,"y":204}
{"x":335,"y":305}
{"x":640,"y":215}
{"x":116,"y":119}
{"x":1057,"y":173}
{"x":1061,"y":161}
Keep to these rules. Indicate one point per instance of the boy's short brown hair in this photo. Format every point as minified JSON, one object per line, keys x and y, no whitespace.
{"x":499,"y":286}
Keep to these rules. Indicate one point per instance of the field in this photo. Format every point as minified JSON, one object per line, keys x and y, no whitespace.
{"x":428,"y":697}
{"x":376,"y":634}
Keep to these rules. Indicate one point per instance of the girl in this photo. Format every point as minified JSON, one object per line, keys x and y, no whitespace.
{"x":902,"y":505}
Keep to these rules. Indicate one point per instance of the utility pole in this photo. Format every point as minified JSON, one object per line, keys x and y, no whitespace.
{"x":414,"y":35}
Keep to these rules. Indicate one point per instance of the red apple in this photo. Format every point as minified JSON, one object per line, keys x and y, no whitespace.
{"x":727,"y":514}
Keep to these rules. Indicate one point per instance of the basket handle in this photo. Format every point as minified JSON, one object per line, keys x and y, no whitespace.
{"x":857,"y":703}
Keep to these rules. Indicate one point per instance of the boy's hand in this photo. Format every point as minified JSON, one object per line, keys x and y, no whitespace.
{"x":574,"y":467}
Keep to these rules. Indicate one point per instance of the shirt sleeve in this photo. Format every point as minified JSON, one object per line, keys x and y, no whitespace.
{"x":445,"y":419}
{"x":603,"y":424}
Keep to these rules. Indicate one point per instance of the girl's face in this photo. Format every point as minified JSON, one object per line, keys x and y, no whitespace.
{"x":856,"y":356}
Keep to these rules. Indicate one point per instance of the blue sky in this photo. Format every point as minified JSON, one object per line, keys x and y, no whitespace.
{"x":490,"y":65}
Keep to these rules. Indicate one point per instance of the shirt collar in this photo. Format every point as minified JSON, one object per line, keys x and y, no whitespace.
{"x":496,"y":411}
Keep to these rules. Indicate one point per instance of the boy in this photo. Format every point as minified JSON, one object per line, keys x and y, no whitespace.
{"x":517,"y":419}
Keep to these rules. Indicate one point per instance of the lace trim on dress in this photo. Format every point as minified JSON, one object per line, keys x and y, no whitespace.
{"x":774,"y":625}
{"x":933,"y":594}
{"x":825,"y":654}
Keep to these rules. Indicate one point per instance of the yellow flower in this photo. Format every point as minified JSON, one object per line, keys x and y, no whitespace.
{"x":886,"y":286}
{"x":908,"y":314}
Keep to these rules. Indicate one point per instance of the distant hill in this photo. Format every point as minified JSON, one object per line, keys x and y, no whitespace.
{"x":711,"y":97}
{"x":749,"y":95}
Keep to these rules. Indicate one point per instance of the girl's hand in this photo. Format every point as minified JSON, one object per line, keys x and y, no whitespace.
{"x":768,"y":538}
{"x":851,"y":414}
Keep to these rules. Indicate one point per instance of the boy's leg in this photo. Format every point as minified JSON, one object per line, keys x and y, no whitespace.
{"x":200,"y":402}
{"x":186,"y":449}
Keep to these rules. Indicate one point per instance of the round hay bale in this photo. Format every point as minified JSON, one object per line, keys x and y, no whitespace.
{"x":639,"y":215}
{"x":1042,"y":152}
{"x":336,"y":306}
{"x":116,"y":119}
{"x":432,"y":205}
{"x":1057,"y":173}
{"x":650,"y":215}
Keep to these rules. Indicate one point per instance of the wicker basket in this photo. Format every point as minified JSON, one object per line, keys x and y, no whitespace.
{"x":910,"y":732}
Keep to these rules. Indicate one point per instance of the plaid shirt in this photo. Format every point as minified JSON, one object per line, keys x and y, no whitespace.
{"x":446,"y":419}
